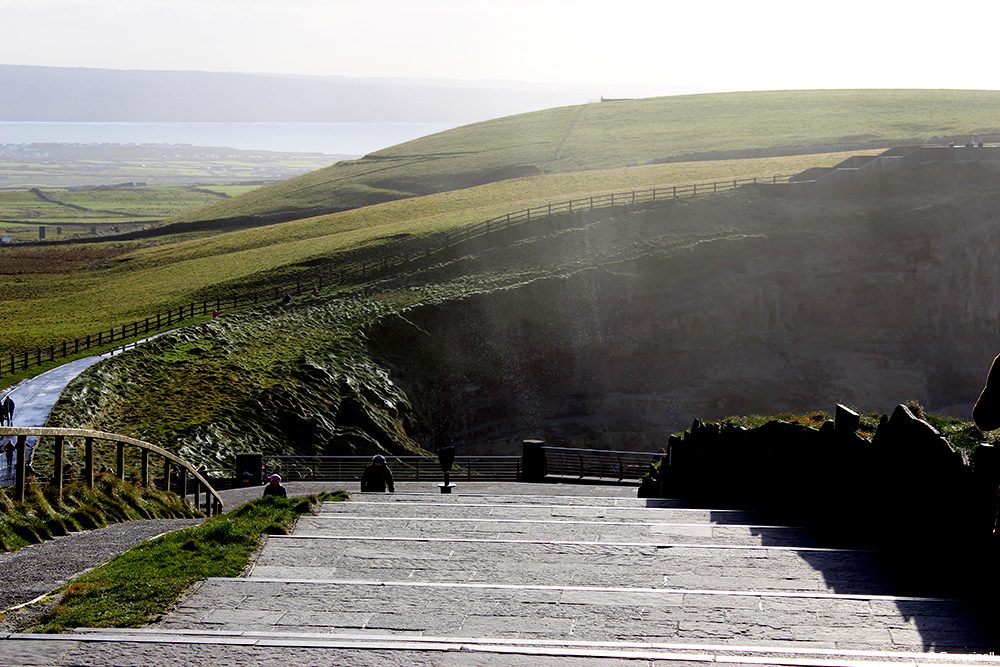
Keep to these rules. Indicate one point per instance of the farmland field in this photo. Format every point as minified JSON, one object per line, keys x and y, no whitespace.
{"x":51,"y":293}
{"x":78,"y":211}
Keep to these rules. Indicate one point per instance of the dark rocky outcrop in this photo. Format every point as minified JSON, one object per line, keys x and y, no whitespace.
{"x":906,"y":491}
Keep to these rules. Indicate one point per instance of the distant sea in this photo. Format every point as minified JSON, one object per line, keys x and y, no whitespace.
{"x":333,"y":138}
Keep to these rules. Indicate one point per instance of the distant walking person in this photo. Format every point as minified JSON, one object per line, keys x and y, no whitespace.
{"x":8,"y":411}
{"x":377,"y":476}
{"x":274,"y":487}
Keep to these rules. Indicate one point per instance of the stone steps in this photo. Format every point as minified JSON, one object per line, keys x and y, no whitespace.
{"x":238,"y":649}
{"x":543,"y":579}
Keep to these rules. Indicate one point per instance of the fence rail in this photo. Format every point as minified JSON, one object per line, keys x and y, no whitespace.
{"x":404,"y":468}
{"x":596,"y":463}
{"x":319,"y":278}
{"x":176,"y":471}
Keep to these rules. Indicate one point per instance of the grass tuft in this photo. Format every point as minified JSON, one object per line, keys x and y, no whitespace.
{"x":141,"y":584}
{"x":44,"y":515}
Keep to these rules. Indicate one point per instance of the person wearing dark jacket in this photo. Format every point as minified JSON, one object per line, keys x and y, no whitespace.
{"x":274,"y":487}
{"x":377,"y":476}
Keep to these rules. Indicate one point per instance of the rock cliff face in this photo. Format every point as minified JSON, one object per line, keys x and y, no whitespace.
{"x":761,"y":301}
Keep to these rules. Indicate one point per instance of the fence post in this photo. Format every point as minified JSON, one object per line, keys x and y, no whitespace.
{"x":21,"y":469}
{"x":88,"y":462}
{"x":184,"y":482}
{"x":144,"y":470}
{"x":57,"y":472}
{"x":166,"y":474}
{"x":120,"y":461}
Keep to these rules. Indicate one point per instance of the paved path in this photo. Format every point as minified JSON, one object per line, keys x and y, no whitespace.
{"x":35,"y":397}
{"x":539,"y":578}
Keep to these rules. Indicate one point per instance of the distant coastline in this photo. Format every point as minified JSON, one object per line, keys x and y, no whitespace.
{"x":309,"y":137}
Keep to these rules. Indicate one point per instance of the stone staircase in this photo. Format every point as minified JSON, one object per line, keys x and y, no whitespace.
{"x":540,"y":575}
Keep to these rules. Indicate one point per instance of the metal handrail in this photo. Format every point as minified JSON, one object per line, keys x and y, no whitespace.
{"x":596,"y":463}
{"x":404,"y":468}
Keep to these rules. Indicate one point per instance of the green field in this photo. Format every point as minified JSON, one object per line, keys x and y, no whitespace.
{"x":51,"y":293}
{"x":79,"y":210}
{"x":610,"y":135}
{"x":445,"y":181}
{"x":306,"y":377}
{"x":24,"y":166}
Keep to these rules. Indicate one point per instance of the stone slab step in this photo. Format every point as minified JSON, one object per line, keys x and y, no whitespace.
{"x":820,"y":621}
{"x":520,"y":499}
{"x":522,"y":510}
{"x":571,"y":563}
{"x":606,"y":530}
{"x":221,"y":649}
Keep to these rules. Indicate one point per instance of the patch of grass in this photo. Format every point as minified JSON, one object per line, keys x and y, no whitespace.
{"x":962,"y":434}
{"x":44,"y":515}
{"x":812,"y":419}
{"x":141,"y":584}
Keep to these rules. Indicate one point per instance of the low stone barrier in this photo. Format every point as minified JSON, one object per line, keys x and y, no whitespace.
{"x":907,"y":490}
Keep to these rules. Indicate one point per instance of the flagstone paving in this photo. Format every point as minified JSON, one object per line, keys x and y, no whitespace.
{"x":525,"y":575}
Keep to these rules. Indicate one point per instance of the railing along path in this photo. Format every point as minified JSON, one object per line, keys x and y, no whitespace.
{"x":404,"y":468}
{"x":320,"y":278}
{"x":24,"y":472}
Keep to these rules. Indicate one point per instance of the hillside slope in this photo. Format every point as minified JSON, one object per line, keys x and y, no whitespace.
{"x":606,"y":330}
{"x":622,"y":133}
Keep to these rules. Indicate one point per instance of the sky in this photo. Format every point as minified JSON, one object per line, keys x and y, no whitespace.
{"x":659,"y":45}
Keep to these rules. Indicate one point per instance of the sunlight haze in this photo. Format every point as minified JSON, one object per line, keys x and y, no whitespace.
{"x":657,"y":47}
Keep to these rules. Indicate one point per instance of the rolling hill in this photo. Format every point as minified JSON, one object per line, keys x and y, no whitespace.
{"x":624,"y":322}
{"x":626,"y":133}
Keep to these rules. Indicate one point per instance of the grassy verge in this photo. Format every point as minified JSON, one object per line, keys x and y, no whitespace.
{"x":44,"y":515}
{"x":142,"y":583}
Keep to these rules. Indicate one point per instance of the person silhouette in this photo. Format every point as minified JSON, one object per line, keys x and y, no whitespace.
{"x":377,"y":476}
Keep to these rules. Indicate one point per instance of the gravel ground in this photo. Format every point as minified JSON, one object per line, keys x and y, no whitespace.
{"x":38,"y":569}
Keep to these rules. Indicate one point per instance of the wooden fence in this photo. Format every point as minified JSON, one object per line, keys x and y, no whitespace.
{"x":376,"y":263}
{"x":176,"y":471}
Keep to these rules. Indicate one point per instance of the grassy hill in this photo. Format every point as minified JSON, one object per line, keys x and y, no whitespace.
{"x":362,"y":373}
{"x":610,"y":135}
{"x":54,"y":292}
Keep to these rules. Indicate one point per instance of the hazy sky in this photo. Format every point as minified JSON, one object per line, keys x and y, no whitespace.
{"x":702,"y":45}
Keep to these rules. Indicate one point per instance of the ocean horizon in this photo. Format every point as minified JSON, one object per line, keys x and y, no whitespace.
{"x":329,"y":138}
